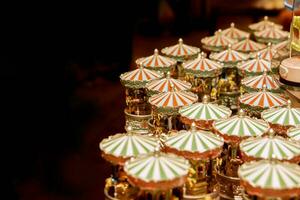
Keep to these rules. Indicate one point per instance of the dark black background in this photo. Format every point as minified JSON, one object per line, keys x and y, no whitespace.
{"x":39,"y":42}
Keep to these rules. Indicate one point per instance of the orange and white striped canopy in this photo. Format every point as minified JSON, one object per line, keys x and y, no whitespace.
{"x":166,"y":84}
{"x":202,"y":64}
{"x":229,"y":55}
{"x":218,"y":40}
{"x":248,"y":45}
{"x":268,"y":53}
{"x":140,"y":74}
{"x":263,"y":99}
{"x":156,"y":61}
{"x":255,"y":65}
{"x":262,"y":25}
{"x":235,"y":33}
{"x":257,"y":82}
{"x":180,"y":50}
{"x":173,"y":99}
{"x":272,"y":33}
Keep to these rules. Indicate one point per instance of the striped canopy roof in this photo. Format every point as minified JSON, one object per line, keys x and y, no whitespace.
{"x":270,"y":147}
{"x":180,"y":50}
{"x":140,"y":75}
{"x":166,"y":84}
{"x":229,"y":55}
{"x":128,"y":145}
{"x":263,"y":99}
{"x":286,"y":116}
{"x":202,"y":64}
{"x":257,"y":82}
{"x":294,"y":133}
{"x":156,"y":61}
{"x":262,"y":25}
{"x":272,"y":33}
{"x":241,"y":126}
{"x":248,"y":45}
{"x":234,"y":33}
{"x":266,"y":174}
{"x":205,"y":111}
{"x":282,"y":45}
{"x":194,"y":141}
{"x":218,"y":40}
{"x":256,"y":65}
{"x":267,"y":53}
{"x":157,"y":167}
{"x":173,"y":99}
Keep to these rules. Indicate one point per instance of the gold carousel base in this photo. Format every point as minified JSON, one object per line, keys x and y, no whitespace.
{"x":229,"y":187}
{"x":210,"y":196}
{"x":137,"y":122}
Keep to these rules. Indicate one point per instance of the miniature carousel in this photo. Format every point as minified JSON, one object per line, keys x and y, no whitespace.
{"x":167,"y":85}
{"x":271,"y":34}
{"x":270,"y":179}
{"x":158,"y":63}
{"x":203,"y":74}
{"x":201,"y":148}
{"x":217,"y":43}
{"x":264,"y":24}
{"x":248,"y":46}
{"x":235,"y":33}
{"x":181,"y":53}
{"x":117,"y":149}
{"x":165,"y":108}
{"x":176,"y":147}
{"x":158,"y":175}
{"x":270,"y":146}
{"x":138,"y":110}
{"x":229,"y":83}
{"x":256,"y":66}
{"x":234,"y":130}
{"x":256,"y":83}
{"x":255,"y":102}
{"x":281,"y":119}
{"x":203,"y":114}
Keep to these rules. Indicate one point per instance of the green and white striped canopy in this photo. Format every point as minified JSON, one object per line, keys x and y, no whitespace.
{"x":205,"y":111}
{"x":157,"y":167}
{"x":241,"y":126}
{"x":270,"y":147}
{"x":294,"y":133}
{"x":128,"y":145}
{"x":194,"y":141}
{"x":271,"y":175}
{"x":286,"y":116}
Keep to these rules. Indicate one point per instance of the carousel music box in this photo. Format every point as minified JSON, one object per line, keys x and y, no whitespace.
{"x":117,"y":149}
{"x":217,"y":42}
{"x":203,"y":74}
{"x":138,"y":110}
{"x":234,"y":130}
{"x":228,"y":86}
{"x":281,"y":119}
{"x":270,"y":179}
{"x":248,"y":46}
{"x":165,"y":108}
{"x":264,"y":24}
{"x":158,"y":63}
{"x":256,"y":83}
{"x":201,"y":148}
{"x":255,"y":102}
{"x":235,"y":33}
{"x":158,"y":175}
{"x":203,"y":114}
{"x":181,"y":52}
